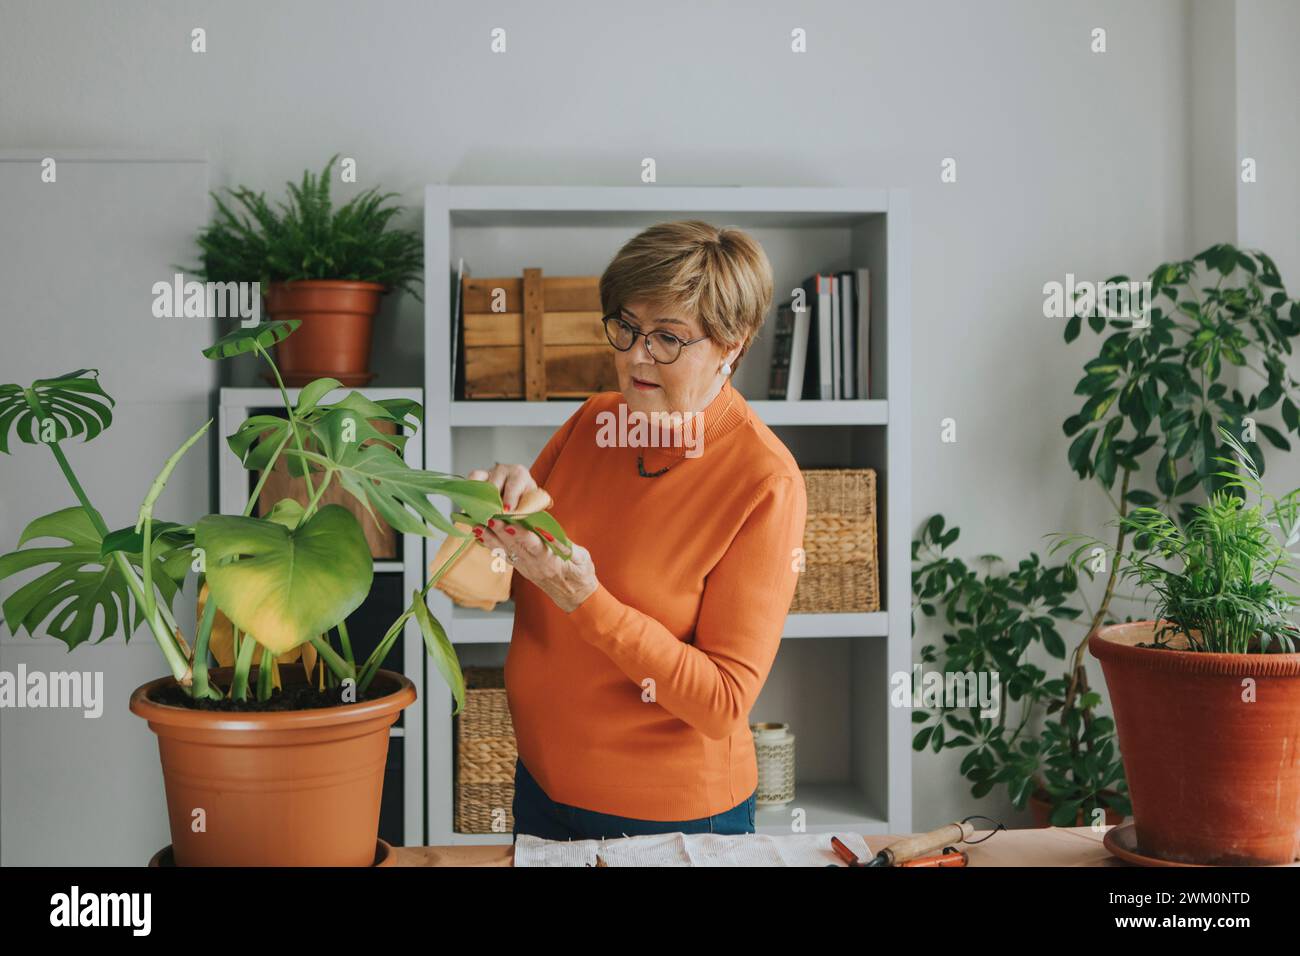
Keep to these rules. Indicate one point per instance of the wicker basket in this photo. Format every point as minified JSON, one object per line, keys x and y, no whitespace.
{"x":841,"y":572}
{"x":485,"y":755}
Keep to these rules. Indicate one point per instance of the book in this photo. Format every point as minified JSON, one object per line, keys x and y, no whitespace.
{"x":778,"y":386}
{"x":837,"y":346}
{"x":862,"y":295}
{"x":847,"y":318}
{"x":799,"y":335}
{"x":819,"y":374}
{"x":456,"y":321}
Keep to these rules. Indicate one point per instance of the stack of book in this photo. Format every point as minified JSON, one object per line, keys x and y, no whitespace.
{"x":822,"y":346}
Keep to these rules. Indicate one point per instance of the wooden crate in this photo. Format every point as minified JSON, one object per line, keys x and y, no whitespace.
{"x":547,"y":343}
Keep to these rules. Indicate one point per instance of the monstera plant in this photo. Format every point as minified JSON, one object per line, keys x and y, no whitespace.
{"x":283,"y":582}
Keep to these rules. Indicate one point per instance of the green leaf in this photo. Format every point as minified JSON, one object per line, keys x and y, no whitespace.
{"x":71,"y":401}
{"x":313,"y":392}
{"x":441,"y":650}
{"x":256,"y":439}
{"x":378,"y":477}
{"x":82,"y":583}
{"x":263,"y":335}
{"x":285,"y":587}
{"x":132,"y":541}
{"x":1080,"y":451}
{"x":1277,"y":439}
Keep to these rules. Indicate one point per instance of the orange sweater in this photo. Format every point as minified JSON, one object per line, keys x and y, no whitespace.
{"x":637,"y":702}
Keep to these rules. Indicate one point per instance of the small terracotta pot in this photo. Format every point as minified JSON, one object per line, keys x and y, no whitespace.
{"x":280,"y":788}
{"x":1214,"y":779}
{"x":1040,"y":809}
{"x":334,"y":338}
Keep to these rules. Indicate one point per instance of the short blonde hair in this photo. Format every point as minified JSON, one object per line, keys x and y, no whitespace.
{"x":722,"y":276}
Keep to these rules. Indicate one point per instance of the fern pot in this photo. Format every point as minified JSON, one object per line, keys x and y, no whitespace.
{"x":277,"y":788}
{"x":334,"y":338}
{"x":1213,"y":776}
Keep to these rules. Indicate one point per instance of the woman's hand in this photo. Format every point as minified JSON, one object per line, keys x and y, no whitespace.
{"x":568,"y":583}
{"x":511,"y":480}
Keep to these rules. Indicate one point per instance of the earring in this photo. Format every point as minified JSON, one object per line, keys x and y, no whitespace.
{"x":726,"y":368}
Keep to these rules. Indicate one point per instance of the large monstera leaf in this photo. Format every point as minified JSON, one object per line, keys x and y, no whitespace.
{"x":83,"y":581}
{"x":74,"y":403}
{"x":355,"y":453}
{"x":286,"y":585}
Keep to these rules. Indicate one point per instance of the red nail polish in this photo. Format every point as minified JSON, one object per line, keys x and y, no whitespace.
{"x":545,"y":534}
{"x":507,"y":507}
{"x":510,"y":530}
{"x":491,"y":523}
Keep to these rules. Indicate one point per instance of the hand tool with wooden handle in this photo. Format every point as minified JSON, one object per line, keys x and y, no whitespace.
{"x":909,"y":848}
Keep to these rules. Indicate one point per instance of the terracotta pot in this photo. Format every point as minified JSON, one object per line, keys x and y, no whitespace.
{"x":334,"y":338}
{"x":281,"y":788}
{"x":385,"y":855}
{"x":1213,"y":779}
{"x":1040,"y":810}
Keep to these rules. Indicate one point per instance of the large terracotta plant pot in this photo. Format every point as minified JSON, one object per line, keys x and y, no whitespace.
{"x":277,"y":788}
{"x":1214,"y":778}
{"x":334,"y":338}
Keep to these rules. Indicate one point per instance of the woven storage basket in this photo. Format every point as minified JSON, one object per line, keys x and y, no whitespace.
{"x":485,"y":754}
{"x":841,"y":569}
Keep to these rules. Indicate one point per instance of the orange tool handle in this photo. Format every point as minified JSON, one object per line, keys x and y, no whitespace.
{"x":960,"y":858}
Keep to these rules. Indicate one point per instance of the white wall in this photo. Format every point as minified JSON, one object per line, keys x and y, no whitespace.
{"x":1068,"y":161}
{"x":1268,"y":130}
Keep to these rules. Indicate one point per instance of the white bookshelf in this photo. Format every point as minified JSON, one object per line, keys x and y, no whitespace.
{"x":831,"y":676}
{"x":235,"y":405}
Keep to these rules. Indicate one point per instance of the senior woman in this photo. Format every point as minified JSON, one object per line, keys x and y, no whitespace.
{"x":633,"y":666}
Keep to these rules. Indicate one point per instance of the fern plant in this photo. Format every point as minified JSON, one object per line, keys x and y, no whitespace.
{"x":307,"y":238}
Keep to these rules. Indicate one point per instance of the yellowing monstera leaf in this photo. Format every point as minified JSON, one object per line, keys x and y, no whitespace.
{"x":286,"y":585}
{"x":221,"y":643}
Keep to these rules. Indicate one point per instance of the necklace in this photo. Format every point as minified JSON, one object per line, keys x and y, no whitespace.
{"x":640,"y":469}
{"x":640,"y":459}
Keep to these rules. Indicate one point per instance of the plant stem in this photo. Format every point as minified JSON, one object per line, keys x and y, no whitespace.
{"x":346,"y":643}
{"x":341,"y":668}
{"x":265,"y":675}
{"x":1078,"y":674}
{"x":239,"y":685}
{"x":316,"y":496}
{"x":162,"y":634}
{"x":293,"y":419}
{"x":200,"y":686}
{"x":371,"y":666}
{"x":266,"y":473}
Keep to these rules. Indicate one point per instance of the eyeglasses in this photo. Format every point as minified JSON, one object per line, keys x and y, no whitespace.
{"x":664,"y":347}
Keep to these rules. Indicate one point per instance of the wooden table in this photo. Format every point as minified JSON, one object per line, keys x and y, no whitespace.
{"x":1053,"y":846}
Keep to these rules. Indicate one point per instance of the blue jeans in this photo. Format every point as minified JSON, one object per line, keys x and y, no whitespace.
{"x":538,"y":815}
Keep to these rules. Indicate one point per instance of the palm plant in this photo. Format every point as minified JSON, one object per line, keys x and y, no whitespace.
{"x":285,"y":580}
{"x":1224,"y":592}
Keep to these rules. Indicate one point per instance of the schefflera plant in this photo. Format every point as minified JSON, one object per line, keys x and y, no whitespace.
{"x":285,"y":580}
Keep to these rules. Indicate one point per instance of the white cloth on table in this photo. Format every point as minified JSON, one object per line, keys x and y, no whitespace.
{"x":691,"y":849}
